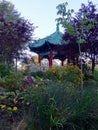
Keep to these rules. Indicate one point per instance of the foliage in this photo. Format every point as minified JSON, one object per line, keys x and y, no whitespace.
{"x":8,"y":11}
{"x":52,"y":104}
{"x":13,"y":37}
{"x":3,"y":70}
{"x":96,"y":76}
{"x":10,"y":108}
{"x":39,"y":74}
{"x":15,"y":32}
{"x":65,"y":15}
{"x":68,"y":73}
{"x":11,"y":81}
{"x":61,"y":106}
{"x":82,"y":28}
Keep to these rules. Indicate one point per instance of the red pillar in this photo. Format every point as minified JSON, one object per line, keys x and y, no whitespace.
{"x":62,"y":62}
{"x":50,"y":58}
{"x":39,"y":59}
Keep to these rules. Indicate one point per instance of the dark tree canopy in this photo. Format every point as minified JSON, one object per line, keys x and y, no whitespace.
{"x":15,"y":32}
{"x":82,"y":29}
{"x":13,"y":37}
{"x":86,"y":22}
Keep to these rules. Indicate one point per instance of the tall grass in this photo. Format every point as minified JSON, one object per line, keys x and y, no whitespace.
{"x":63,"y":106}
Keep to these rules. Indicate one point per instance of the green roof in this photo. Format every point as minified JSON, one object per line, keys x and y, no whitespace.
{"x":55,"y":39}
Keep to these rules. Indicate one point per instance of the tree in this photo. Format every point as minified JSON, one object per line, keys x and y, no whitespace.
{"x":13,"y":37}
{"x":8,"y":12}
{"x":15,"y":32}
{"x":66,"y":20}
{"x":84,"y":29}
{"x":87,"y":24}
{"x":65,"y":16}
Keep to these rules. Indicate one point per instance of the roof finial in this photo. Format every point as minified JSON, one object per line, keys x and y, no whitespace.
{"x":57,"y":27}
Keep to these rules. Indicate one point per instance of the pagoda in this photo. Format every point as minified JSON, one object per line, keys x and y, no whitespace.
{"x":46,"y":47}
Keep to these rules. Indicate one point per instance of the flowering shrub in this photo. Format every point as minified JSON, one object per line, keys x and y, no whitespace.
{"x":10,"y":112}
{"x":73,"y":74}
{"x":68,"y":73}
{"x":52,"y":73}
{"x":9,"y":108}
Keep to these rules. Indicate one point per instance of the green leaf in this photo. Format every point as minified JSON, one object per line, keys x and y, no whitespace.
{"x":81,"y":41}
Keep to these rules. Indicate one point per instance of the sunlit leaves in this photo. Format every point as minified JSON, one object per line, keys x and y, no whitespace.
{"x":65,"y":14}
{"x":62,"y":9}
{"x":81,"y":41}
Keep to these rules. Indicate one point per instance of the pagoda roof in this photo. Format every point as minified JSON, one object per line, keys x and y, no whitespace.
{"x":49,"y":41}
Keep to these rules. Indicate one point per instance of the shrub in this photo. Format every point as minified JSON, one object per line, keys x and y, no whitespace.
{"x":3,"y":70}
{"x":68,"y":73}
{"x":12,"y":81}
{"x":39,"y":74}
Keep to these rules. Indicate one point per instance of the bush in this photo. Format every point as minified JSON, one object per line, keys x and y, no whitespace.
{"x":3,"y":70}
{"x":68,"y":73}
{"x":12,"y":82}
{"x":39,"y":74}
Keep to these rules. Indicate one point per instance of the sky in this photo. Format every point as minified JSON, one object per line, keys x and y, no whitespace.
{"x":42,"y":13}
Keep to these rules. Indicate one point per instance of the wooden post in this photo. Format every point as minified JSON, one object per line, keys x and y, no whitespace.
{"x":50,"y":58}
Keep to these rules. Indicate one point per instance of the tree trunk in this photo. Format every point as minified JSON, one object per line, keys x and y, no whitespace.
{"x":93,"y":64}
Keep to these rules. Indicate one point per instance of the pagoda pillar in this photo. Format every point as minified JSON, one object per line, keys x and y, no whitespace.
{"x":50,"y":58}
{"x":62,"y":62}
{"x":39,"y":59}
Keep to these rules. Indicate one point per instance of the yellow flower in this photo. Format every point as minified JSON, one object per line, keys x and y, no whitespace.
{"x":65,"y":73}
{"x":53,"y":70}
{"x":9,"y":108}
{"x":3,"y":106}
{"x":15,"y":108}
{"x":60,"y":75}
